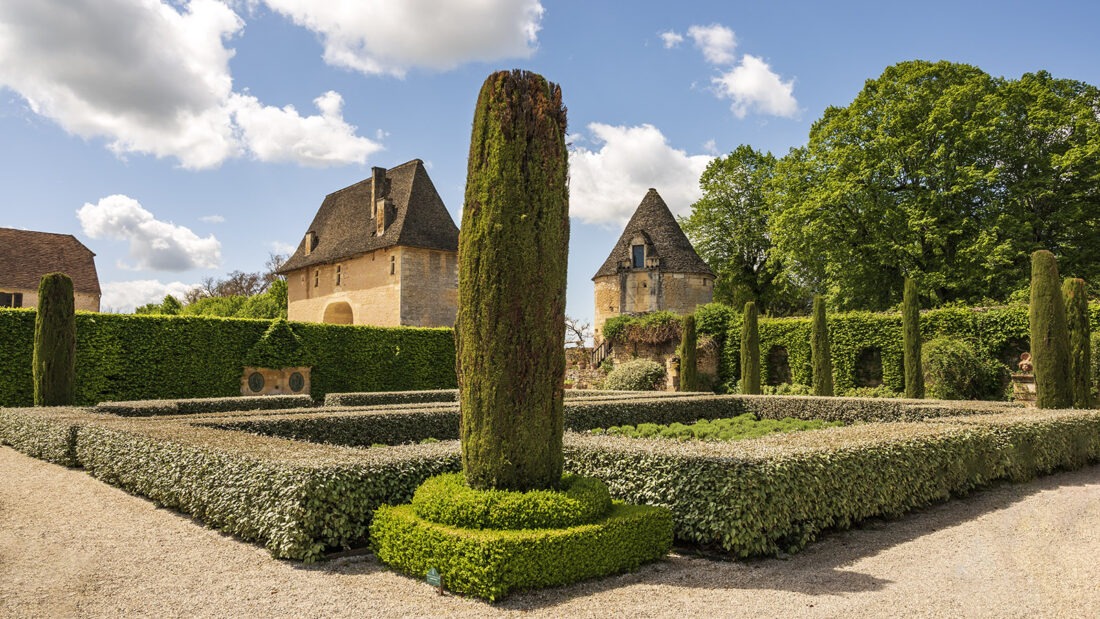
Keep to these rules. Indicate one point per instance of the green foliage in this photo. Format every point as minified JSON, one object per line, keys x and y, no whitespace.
{"x":270,"y":304}
{"x":278,"y":347}
{"x":729,"y":429}
{"x":689,"y":373}
{"x":943,"y":173}
{"x":910,"y":328}
{"x":55,"y":341}
{"x":787,"y":389}
{"x":777,"y":493}
{"x":750,"y":351}
{"x":391,"y":397}
{"x":1050,"y":352}
{"x":636,"y":375}
{"x":1095,"y":349}
{"x":201,"y":406}
{"x":882,"y":391}
{"x":820,"y":352}
{"x":953,"y":370}
{"x":491,"y":563}
{"x":446,"y":499}
{"x":128,"y":357}
{"x":168,"y":307}
{"x":386,"y":425}
{"x":728,"y":227}
{"x":45,"y":433}
{"x":650,"y":328}
{"x":511,"y":285}
{"x":1077,"y":321}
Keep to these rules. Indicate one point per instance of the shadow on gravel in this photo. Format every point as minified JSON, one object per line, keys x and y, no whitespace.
{"x":819,"y":569}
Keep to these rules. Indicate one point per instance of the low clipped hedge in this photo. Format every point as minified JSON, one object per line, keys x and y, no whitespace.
{"x":776,"y":494}
{"x":376,"y":398}
{"x":446,"y":499}
{"x":490,"y":563}
{"x":355,"y":428}
{"x":200,"y":406}
{"x":48,"y":434}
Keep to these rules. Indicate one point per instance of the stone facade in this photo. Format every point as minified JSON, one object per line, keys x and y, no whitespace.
{"x":26,"y":255}
{"x":649,"y":290}
{"x":84,"y":301}
{"x":387,"y":287}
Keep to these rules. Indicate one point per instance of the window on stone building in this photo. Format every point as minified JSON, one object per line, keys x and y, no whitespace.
{"x":639,"y":256}
{"x":316,"y":278}
{"x":339,"y":274}
{"x":393,"y":264}
{"x":11,"y":299}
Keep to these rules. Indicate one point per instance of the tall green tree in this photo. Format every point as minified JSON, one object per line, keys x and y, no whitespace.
{"x":820,"y":352}
{"x":54,"y":357}
{"x":910,"y":326}
{"x":728,"y":227}
{"x":943,"y":173}
{"x":1049,"y":334}
{"x":1080,"y":357}
{"x":511,"y":285}
{"x":750,"y":351}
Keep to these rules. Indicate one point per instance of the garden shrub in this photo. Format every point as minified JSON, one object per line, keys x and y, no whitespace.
{"x":729,"y":429}
{"x":953,"y":370}
{"x":651,"y":328}
{"x":820,"y":351}
{"x":882,"y":391}
{"x":911,"y":340}
{"x":55,"y":341}
{"x":1050,"y":352}
{"x":197,"y":406}
{"x":372,"y":398}
{"x":750,"y":351}
{"x":48,"y":434}
{"x":636,"y":375}
{"x":1077,"y":321}
{"x":446,"y":499}
{"x":788,"y":389}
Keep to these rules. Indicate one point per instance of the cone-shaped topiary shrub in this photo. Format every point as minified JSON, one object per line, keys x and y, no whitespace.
{"x":55,"y":342}
{"x":910,"y":326}
{"x":689,"y":374}
{"x":750,"y":351}
{"x":820,"y":352}
{"x":511,"y":286}
{"x":1080,"y":359}
{"x":1049,"y":335}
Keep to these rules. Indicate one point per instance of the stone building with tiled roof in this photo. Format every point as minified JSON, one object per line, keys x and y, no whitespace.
{"x":25,"y":256}
{"x":652,"y":267}
{"x":383,"y":252}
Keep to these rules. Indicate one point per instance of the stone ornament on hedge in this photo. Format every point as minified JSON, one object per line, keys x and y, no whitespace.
{"x":511,"y":520}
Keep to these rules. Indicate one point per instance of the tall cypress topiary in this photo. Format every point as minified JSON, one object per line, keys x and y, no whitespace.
{"x":511,"y":287}
{"x":55,"y":342}
{"x":819,"y":350}
{"x":1049,"y":335}
{"x":910,"y":327}
{"x":1080,"y":357}
{"x":750,"y":351}
{"x":689,"y":374}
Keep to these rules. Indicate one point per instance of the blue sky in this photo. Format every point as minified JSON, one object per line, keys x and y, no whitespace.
{"x":185,"y":139}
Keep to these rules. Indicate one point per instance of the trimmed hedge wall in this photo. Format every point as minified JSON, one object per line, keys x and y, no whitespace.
{"x":200,"y":406}
{"x":48,"y":434}
{"x":148,"y":357}
{"x":995,"y":332}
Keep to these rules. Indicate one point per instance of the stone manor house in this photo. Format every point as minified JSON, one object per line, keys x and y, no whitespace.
{"x":383,"y":252}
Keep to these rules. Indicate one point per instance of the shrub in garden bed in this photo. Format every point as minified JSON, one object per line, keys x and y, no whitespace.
{"x":375,"y":398}
{"x":48,"y":434}
{"x":198,"y":406}
{"x":636,"y":375}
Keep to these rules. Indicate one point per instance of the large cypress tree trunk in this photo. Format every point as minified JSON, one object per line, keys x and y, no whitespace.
{"x":1080,"y":357}
{"x":512,"y":250}
{"x":54,"y":357}
{"x":689,"y":373}
{"x":910,"y":326}
{"x":820,"y":352}
{"x":750,"y":351}
{"x":1049,"y":335}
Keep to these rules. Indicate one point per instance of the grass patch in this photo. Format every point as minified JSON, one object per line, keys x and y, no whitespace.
{"x":730,"y":429}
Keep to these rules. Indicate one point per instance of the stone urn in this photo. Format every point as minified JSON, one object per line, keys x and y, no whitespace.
{"x":1023,"y":382}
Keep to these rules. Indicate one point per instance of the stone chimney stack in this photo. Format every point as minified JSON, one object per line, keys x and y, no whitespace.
{"x":377,"y":189}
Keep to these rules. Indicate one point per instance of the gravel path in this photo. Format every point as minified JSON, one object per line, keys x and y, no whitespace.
{"x":71,"y":546}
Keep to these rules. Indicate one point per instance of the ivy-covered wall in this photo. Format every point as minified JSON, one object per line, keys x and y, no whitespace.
{"x":136,"y":357}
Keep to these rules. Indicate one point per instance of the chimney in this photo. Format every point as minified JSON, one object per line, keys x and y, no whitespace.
{"x":377,"y":189}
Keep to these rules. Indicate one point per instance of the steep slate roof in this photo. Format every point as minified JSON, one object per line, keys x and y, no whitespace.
{"x":655,"y":222}
{"x":344,"y":227}
{"x":25,"y":256}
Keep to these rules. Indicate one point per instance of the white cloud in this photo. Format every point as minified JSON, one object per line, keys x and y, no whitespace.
{"x":671,"y":38}
{"x":282,"y":248}
{"x":154,"y":245}
{"x":752,"y":85}
{"x":710,"y":146}
{"x":150,"y":79}
{"x":716,"y":41}
{"x":125,"y":296}
{"x":386,"y":37}
{"x":212,"y":219}
{"x":606,"y":185}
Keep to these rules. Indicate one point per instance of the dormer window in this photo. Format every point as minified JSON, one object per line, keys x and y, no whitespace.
{"x":339,"y":274}
{"x":309,"y":243}
{"x":638,"y":256}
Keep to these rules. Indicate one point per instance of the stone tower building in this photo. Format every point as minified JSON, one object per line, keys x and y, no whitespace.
{"x":383,"y":252}
{"x":652,"y":267}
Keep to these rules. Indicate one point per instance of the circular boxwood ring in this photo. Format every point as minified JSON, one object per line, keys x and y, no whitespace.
{"x":446,"y":499}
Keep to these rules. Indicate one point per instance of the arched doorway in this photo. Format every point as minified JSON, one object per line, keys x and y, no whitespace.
{"x":338,"y":313}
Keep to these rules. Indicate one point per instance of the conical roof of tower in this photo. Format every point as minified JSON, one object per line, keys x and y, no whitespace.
{"x":654,"y":222}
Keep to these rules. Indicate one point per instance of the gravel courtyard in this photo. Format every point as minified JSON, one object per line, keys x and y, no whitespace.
{"x":71,"y":546}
